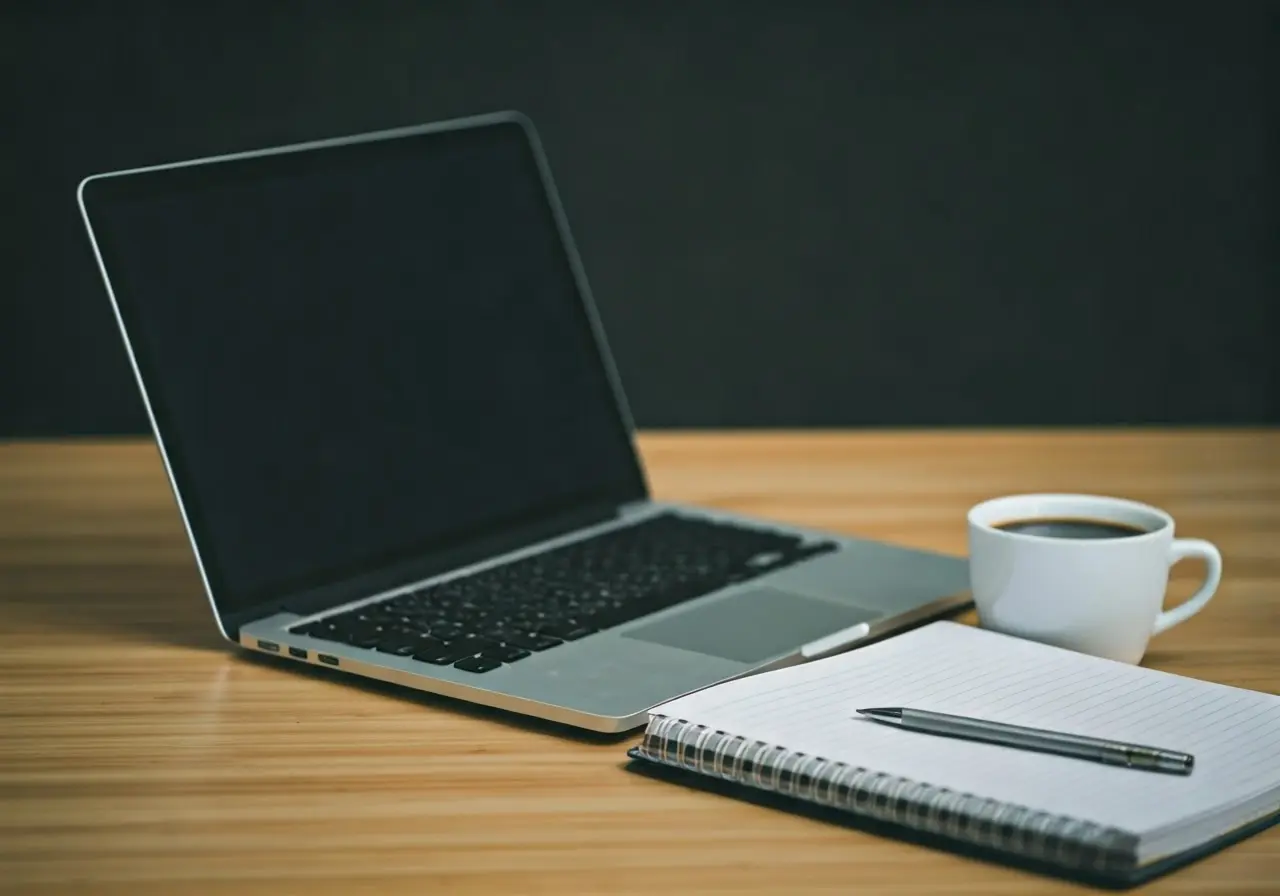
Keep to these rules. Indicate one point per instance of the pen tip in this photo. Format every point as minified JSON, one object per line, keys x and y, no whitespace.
{"x":882,"y":712}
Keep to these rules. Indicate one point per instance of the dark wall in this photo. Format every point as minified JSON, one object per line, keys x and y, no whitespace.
{"x":806,"y":213}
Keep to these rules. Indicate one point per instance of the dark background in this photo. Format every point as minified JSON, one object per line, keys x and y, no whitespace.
{"x":803,"y":213}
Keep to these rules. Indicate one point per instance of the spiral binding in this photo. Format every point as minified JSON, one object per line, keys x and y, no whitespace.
{"x":1006,"y":827}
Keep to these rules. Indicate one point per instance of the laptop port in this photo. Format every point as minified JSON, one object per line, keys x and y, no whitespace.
{"x":268,"y":645}
{"x":298,"y":653}
{"x":326,"y":659}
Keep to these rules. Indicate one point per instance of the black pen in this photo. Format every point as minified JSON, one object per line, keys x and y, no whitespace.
{"x":1111,"y":752}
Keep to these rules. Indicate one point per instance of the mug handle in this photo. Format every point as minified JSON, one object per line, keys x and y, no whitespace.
{"x":1182,"y":549}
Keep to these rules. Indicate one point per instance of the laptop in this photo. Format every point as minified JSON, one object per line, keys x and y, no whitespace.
{"x":399,"y":445}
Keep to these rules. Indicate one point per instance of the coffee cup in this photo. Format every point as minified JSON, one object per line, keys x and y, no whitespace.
{"x":1084,"y":572}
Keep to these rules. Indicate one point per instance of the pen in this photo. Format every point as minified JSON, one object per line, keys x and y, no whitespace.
{"x":1111,"y":752}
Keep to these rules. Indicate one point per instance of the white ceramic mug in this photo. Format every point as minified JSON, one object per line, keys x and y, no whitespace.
{"x":1094,"y":595}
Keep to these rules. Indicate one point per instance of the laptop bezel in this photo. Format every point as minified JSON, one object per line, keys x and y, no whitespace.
{"x":432,"y":560}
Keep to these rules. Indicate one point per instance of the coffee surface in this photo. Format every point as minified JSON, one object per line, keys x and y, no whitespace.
{"x":1071,"y":528}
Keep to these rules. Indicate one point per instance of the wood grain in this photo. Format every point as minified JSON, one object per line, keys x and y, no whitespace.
{"x":139,"y":754}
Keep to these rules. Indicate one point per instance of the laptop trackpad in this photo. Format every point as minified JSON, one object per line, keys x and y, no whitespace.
{"x":752,"y":626}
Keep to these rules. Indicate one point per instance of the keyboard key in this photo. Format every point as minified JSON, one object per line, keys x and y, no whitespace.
{"x":822,"y":547}
{"x":566,"y":632}
{"x":477,"y":664}
{"x":362,"y":637}
{"x":324,"y":629}
{"x":504,"y":653}
{"x":440,"y":655}
{"x":767,"y":560}
{"x":399,"y":644}
{"x":472,"y":644}
{"x":532,"y":642}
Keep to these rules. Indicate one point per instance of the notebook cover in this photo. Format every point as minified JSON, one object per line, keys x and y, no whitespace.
{"x":657,"y":770}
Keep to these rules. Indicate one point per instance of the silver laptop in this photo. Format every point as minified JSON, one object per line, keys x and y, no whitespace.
{"x":400,"y":447}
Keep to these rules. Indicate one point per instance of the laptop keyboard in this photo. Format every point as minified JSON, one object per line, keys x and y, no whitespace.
{"x":506,"y":613}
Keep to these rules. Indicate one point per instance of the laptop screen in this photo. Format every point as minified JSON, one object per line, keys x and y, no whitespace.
{"x":357,"y":353}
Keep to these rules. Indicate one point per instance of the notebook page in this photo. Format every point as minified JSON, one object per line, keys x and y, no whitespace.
{"x":947,"y":667}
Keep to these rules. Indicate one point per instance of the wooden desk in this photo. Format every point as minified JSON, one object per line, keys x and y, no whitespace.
{"x":140,"y":755}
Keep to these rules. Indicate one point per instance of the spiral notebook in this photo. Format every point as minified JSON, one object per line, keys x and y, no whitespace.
{"x":794,"y":732}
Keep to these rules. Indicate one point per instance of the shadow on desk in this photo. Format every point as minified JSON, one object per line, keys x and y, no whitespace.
{"x":156,"y":605}
{"x":427,"y":700}
{"x":829,"y":815}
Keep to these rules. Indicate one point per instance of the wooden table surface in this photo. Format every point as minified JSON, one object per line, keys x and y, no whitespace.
{"x":140,"y":754}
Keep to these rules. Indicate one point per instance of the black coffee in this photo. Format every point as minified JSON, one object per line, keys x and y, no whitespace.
{"x":1071,"y":528}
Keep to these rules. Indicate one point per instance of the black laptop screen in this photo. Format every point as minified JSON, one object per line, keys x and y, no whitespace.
{"x":360,"y":352}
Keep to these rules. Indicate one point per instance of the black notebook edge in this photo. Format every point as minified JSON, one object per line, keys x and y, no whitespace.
{"x":642,"y":765}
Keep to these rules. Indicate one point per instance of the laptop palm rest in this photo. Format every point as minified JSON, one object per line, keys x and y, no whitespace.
{"x":751,"y":626}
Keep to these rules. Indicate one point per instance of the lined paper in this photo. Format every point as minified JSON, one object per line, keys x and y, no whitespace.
{"x":1233,"y":733}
